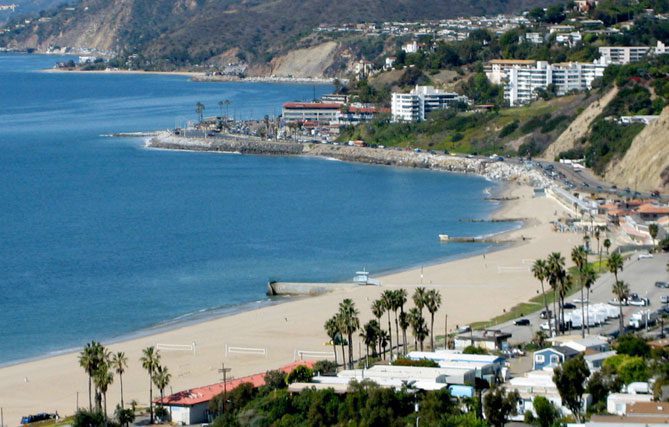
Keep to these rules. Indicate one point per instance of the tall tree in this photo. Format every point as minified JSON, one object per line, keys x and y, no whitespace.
{"x":653,"y":230}
{"x":119,"y":363}
{"x":556,"y":276}
{"x":404,"y":324}
{"x":342,"y":328}
{"x":161,"y":379}
{"x":377,"y":310}
{"x":419,"y":298}
{"x":418,"y":326}
{"x":332,"y":330}
{"x":607,"y":245}
{"x":580,"y":259}
{"x":432,"y":303}
{"x":150,"y":360}
{"x":598,"y":236}
{"x":570,"y":381}
{"x":387,"y":297}
{"x":89,"y":359}
{"x":615,"y":264}
{"x":351,"y":323}
{"x":589,"y":278}
{"x":498,"y":405}
{"x":220,"y":107}
{"x":540,"y":271}
{"x":103,"y":378}
{"x":622,"y":291}
{"x":400,"y":300}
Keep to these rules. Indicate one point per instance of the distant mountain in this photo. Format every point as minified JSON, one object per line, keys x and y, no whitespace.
{"x":27,"y":7}
{"x":184,"y":32}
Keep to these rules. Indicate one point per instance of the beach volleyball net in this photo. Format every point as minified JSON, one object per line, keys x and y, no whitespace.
{"x":251,"y":351}
{"x":176,"y":347}
{"x":308,"y":354}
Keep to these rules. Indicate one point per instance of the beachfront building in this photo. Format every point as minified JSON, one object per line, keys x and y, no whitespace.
{"x":328,"y":115}
{"x":191,"y":406}
{"x":421,"y":101}
{"x":627,"y":54}
{"x":491,"y":368}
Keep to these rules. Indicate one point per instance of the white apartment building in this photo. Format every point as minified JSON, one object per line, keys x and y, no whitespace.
{"x":420,"y":102}
{"x":411,"y":47}
{"x":627,"y":54}
{"x":522,"y":79}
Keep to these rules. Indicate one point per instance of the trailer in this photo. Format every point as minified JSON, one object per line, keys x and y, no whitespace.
{"x":642,"y":319}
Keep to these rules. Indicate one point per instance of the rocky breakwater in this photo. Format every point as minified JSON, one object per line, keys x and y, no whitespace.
{"x":493,"y":170}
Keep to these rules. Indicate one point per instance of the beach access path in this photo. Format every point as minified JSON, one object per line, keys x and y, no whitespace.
{"x":472,"y":289}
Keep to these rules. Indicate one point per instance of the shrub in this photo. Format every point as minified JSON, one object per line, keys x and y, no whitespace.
{"x":422,"y":363}
{"x":474,"y":350}
{"x":632,"y":345}
{"x":509,"y":129}
{"x":325,"y":368}
{"x":301,"y":374}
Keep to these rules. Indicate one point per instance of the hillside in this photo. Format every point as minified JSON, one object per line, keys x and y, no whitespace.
{"x":645,"y":166}
{"x":186,"y":32}
{"x":27,"y":7}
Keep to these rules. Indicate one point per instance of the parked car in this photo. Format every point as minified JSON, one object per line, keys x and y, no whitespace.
{"x":38,"y":417}
{"x":522,"y":322}
{"x":546,"y":315}
{"x":568,"y":306}
{"x":639,"y":302}
{"x":463,"y":329}
{"x":664,"y":285}
{"x":645,"y":256}
{"x":664,"y":299}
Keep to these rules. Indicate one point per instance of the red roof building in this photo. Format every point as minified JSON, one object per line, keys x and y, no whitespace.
{"x":192,"y":406}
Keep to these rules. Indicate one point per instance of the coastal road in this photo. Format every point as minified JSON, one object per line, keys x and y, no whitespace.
{"x":640,"y":274}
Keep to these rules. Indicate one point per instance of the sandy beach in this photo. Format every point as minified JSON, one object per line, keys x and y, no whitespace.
{"x":165,"y":73}
{"x":474,"y":288}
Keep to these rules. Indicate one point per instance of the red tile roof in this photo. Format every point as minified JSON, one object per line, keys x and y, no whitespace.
{"x":653,"y":209}
{"x":205,"y":394}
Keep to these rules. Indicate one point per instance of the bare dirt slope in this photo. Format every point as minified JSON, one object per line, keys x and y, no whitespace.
{"x":579,"y":127}
{"x":307,"y":62}
{"x":645,"y":166}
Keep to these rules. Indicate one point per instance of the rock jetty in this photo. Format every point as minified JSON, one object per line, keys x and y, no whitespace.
{"x":493,"y":170}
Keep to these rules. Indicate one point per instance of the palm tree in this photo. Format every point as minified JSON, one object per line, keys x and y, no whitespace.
{"x":540,"y":271}
{"x":397,"y":302}
{"x":621,"y":290}
{"x":220,"y":106}
{"x":556,"y":275}
{"x":351,"y":323}
{"x":607,"y":245}
{"x":332,"y":329}
{"x":377,"y":310}
{"x":580,"y":259}
{"x":103,"y":378}
{"x":652,"y":230}
{"x":387,"y":298}
{"x":369,"y":335}
{"x":227,"y":103}
{"x":401,"y":295}
{"x":89,"y":360}
{"x":432,"y":303}
{"x":383,"y":338}
{"x":199,"y":110}
{"x":586,"y":242}
{"x":404,"y":324}
{"x":341,"y":327}
{"x":589,"y":277}
{"x":161,"y":379}
{"x":150,"y":360}
{"x":119,"y":363}
{"x":419,"y":298}
{"x":418,"y":326}
{"x":615,"y":263}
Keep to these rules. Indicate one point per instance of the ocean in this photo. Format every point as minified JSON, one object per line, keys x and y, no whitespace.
{"x":102,"y":238}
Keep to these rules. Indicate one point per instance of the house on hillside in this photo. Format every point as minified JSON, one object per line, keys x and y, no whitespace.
{"x":551,"y":357}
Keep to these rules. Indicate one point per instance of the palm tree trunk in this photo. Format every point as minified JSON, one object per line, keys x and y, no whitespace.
{"x":404,"y":340}
{"x":104,"y":396}
{"x":151,"y":398}
{"x":397,"y":332}
{"x":334,"y":348}
{"x":555,"y":313}
{"x":545,"y":303}
{"x":432,"y":331}
{"x":350,"y":351}
{"x":390,"y":336}
{"x":120,"y":376}
{"x":587,"y":309}
{"x":622,"y":324}
{"x":343,"y":353}
{"x":90,"y":397}
{"x":583,"y":322}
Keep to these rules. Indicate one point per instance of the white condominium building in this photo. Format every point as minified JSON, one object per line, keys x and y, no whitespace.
{"x":522,"y":79}
{"x":417,"y":105}
{"x":627,"y":54}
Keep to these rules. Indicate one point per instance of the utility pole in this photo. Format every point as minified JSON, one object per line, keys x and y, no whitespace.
{"x":224,"y":371}
{"x":2,"y":418}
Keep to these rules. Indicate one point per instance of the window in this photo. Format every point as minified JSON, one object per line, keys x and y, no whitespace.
{"x":539,"y":358}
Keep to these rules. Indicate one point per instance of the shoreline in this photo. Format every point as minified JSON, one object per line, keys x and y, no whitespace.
{"x":202,"y":77}
{"x":211,"y":314}
{"x":473,"y":288}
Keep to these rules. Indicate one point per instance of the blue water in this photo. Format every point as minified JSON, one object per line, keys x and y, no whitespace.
{"x":100,"y":237}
